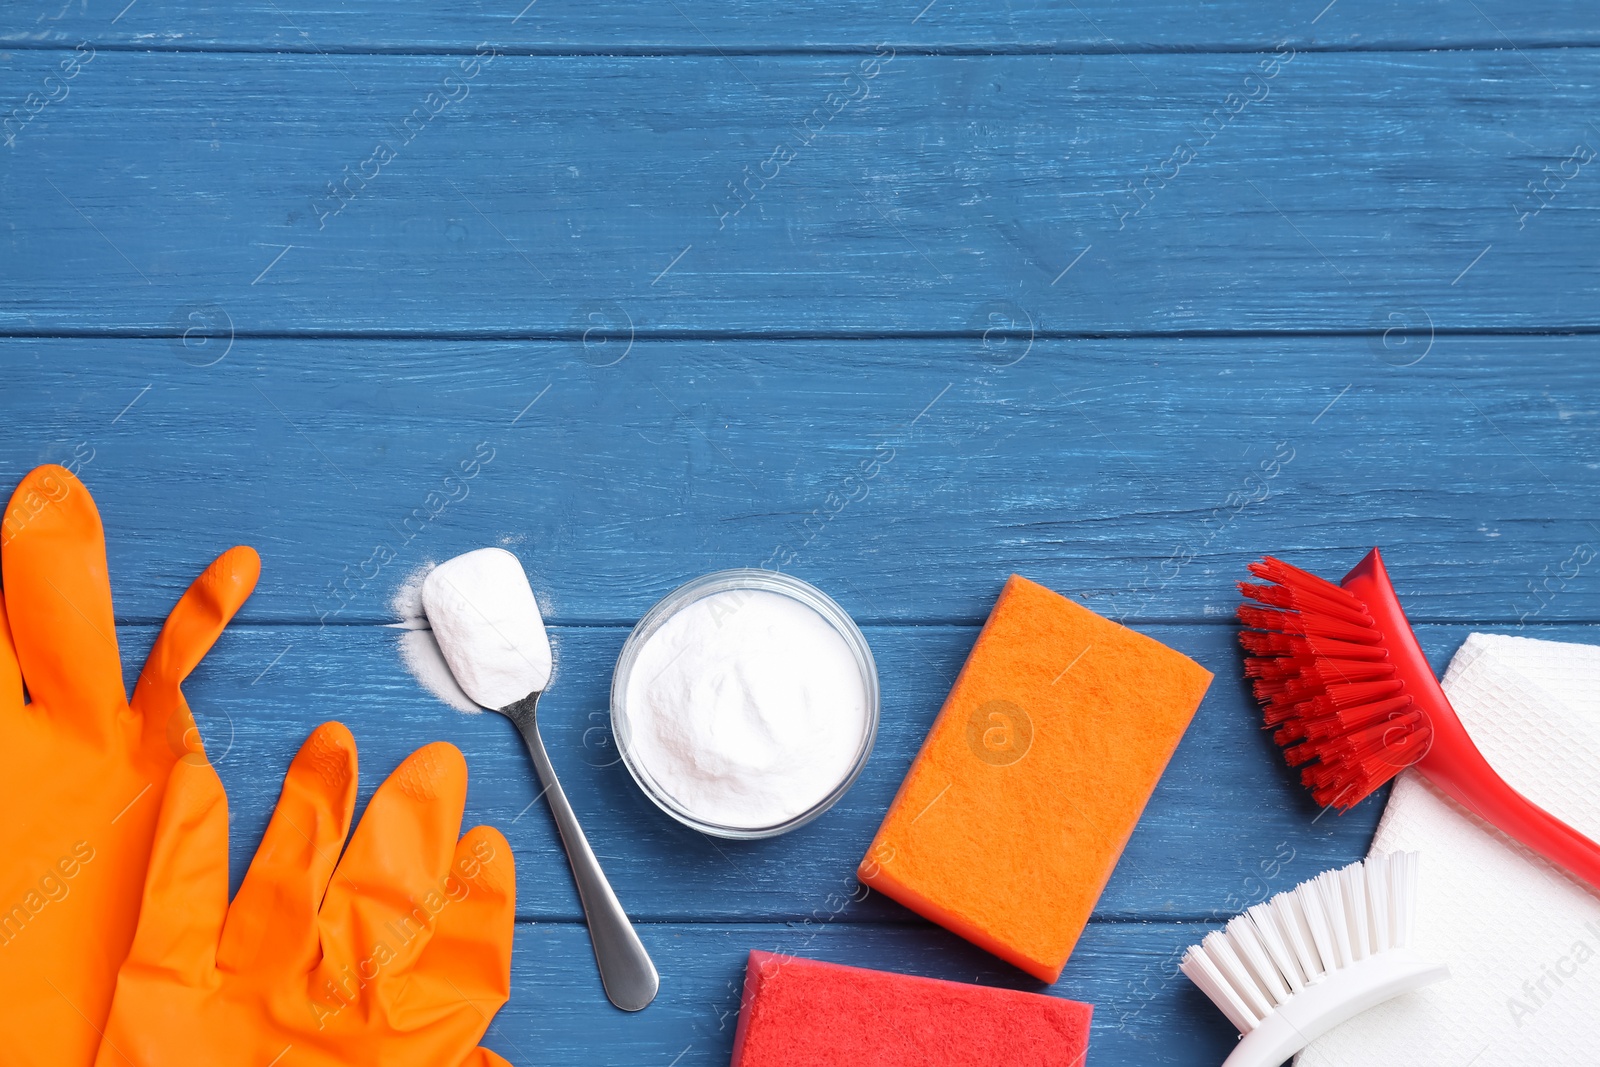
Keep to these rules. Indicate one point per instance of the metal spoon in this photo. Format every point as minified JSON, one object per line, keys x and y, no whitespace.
{"x":488,"y":626}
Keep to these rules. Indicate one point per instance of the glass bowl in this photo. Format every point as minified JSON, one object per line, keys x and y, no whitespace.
{"x":719,"y":582}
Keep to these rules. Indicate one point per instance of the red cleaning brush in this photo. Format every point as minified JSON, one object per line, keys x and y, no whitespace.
{"x":1341,"y":676}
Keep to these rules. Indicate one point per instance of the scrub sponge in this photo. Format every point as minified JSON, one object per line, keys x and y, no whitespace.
{"x":800,"y":1013}
{"x":1010,"y":820}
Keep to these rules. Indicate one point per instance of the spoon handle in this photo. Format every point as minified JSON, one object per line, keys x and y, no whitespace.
{"x":629,"y":977}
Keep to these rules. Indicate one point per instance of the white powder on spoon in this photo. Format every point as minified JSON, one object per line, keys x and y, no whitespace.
{"x":474,"y":635}
{"x":487,"y":623}
{"x":747,"y":708}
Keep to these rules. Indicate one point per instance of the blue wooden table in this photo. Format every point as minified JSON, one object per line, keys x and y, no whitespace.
{"x":1118,"y":296}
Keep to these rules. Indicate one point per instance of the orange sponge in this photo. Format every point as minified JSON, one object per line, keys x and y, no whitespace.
{"x":1010,"y":820}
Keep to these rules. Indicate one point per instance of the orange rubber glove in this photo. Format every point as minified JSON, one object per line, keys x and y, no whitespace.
{"x":82,"y":769}
{"x":398,"y":956}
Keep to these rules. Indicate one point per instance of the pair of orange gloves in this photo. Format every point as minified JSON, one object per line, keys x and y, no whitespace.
{"x":118,"y":946}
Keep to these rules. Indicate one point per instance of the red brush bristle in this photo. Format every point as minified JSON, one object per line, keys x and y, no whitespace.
{"x":1307,"y":623}
{"x":1318,"y":664}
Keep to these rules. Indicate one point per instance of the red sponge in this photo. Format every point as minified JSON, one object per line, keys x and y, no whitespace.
{"x":801,"y":1013}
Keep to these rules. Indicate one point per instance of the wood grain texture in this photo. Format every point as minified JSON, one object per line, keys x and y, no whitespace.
{"x":548,"y":196}
{"x":557,"y":1016}
{"x":1226,"y":813}
{"x":1119,"y":296}
{"x":736,"y":25}
{"x":906,"y":478}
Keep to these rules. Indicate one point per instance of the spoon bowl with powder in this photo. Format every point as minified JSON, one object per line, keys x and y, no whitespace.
{"x":487,"y":622}
{"x":745,"y":703}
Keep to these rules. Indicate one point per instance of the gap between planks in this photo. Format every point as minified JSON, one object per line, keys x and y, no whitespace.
{"x":639,"y":51}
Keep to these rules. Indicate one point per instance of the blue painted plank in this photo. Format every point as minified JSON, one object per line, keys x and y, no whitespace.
{"x":1145,"y":1013}
{"x":738,"y":25}
{"x":576,"y":198}
{"x":906,"y":478}
{"x":1226,"y":806}
{"x":553,"y":196}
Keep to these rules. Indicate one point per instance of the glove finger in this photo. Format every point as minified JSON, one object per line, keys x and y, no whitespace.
{"x":482,"y":1057}
{"x":374,"y":918}
{"x":192,"y":627}
{"x":58,"y":599}
{"x":466,"y":964}
{"x":272,"y":926}
{"x":10,"y":671}
{"x":186,"y":885}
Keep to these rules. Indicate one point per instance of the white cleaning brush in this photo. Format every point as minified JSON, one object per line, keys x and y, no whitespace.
{"x":1289,"y":970}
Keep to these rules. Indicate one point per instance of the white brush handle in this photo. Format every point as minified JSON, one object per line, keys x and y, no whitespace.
{"x":1341,"y":995}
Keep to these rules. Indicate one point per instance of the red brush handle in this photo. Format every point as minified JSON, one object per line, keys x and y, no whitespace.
{"x":1456,"y":766}
{"x":1452,"y":761}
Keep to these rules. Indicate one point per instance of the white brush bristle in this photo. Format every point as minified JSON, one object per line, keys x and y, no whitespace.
{"x":1276,"y":949}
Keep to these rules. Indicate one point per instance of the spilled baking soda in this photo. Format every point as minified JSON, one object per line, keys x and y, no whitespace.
{"x":418,"y":649}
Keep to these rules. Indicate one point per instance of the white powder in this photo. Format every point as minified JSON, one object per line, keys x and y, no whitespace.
{"x":488,"y":626}
{"x":419,"y":651}
{"x":747,"y":708}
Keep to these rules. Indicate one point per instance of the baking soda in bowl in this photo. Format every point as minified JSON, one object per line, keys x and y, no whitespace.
{"x":746,"y":709}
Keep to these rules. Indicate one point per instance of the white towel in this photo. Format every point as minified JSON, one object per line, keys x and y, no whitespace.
{"x":1521,"y":938}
